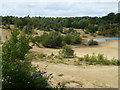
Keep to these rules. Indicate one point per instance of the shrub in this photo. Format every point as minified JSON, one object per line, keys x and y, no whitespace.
{"x":99,"y":59}
{"x":51,"y":40}
{"x":41,"y":55}
{"x":30,"y":56}
{"x":67,"y":52}
{"x":36,"y":39}
{"x":92,"y":42}
{"x":70,"y":30}
{"x":16,"y":71}
{"x":72,"y":38}
{"x":86,"y":32}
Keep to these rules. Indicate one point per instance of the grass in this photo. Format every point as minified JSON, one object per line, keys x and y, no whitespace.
{"x":99,"y":59}
{"x":86,"y":59}
{"x":41,"y":55}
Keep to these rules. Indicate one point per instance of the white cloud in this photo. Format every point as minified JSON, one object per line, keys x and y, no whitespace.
{"x":59,"y":0}
{"x":58,"y":8}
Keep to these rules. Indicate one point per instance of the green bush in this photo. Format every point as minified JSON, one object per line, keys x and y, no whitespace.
{"x":16,"y":71}
{"x":92,"y":42}
{"x":36,"y":39}
{"x":72,"y":38}
{"x":66,"y":52}
{"x":30,"y":56}
{"x":41,"y":55}
{"x":99,"y":59}
{"x":51,"y":40}
{"x":70,"y":30}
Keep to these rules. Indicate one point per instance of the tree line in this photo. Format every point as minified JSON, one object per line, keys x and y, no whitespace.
{"x":108,"y":25}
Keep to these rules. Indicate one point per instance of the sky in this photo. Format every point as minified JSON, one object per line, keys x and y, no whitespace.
{"x":57,"y":8}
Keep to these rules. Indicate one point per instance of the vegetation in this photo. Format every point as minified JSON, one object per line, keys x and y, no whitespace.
{"x":72,"y":38}
{"x":108,"y":25}
{"x":51,"y":40}
{"x":99,"y":59}
{"x":17,"y":71}
{"x":92,"y":42}
{"x":66,"y":52}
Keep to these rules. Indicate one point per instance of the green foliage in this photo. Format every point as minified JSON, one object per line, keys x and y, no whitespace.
{"x":109,"y":32}
{"x":41,"y":55}
{"x":16,"y":47}
{"x":16,"y":71}
{"x":66,"y":52}
{"x":70,"y":30}
{"x":30,"y":56}
{"x":92,"y":42}
{"x":27,"y":29}
{"x":51,"y":40}
{"x":99,"y":59}
{"x":36,"y":39}
{"x":91,"y":24}
{"x":45,"y":29}
{"x":72,"y":38}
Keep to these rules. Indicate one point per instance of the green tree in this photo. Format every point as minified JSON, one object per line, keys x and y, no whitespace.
{"x":16,"y":71}
{"x":51,"y":40}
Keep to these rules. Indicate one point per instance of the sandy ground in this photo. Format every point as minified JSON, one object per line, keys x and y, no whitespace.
{"x":84,"y":76}
{"x":91,"y":76}
{"x":5,"y":34}
{"x":108,"y":48}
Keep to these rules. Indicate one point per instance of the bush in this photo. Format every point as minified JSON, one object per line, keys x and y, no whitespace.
{"x":51,"y":40}
{"x":92,"y":42}
{"x":16,"y":71}
{"x":99,"y":59}
{"x":66,"y":52}
{"x":41,"y":55}
{"x":30,"y":56}
{"x":70,"y":30}
{"x":72,"y":38}
{"x":36,"y":39}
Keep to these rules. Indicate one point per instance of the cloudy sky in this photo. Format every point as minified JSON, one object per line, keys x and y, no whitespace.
{"x":57,"y":8}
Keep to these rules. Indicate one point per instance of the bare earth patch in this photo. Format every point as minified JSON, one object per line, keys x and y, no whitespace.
{"x":91,"y":76}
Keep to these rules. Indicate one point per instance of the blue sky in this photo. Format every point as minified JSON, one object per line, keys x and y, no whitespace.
{"x":59,"y":8}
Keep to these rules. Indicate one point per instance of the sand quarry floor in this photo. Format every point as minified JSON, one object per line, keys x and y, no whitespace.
{"x":82,"y":76}
{"x":90,"y":76}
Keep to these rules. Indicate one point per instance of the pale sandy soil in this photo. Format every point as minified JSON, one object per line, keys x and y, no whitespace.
{"x":5,"y":34}
{"x":94,"y":76}
{"x":84,"y":76}
{"x":108,"y":48}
